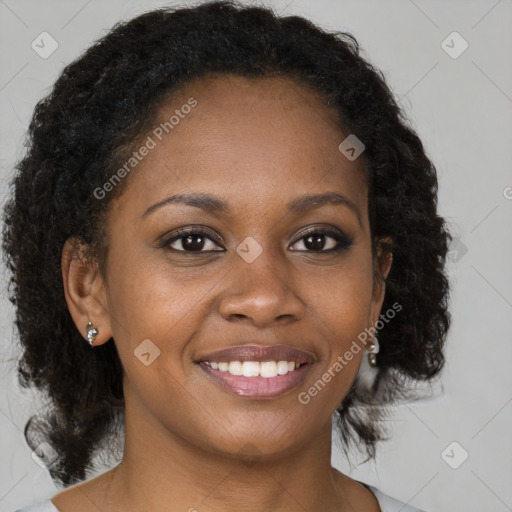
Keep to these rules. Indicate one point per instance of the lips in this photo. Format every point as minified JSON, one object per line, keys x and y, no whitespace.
{"x":257,"y":387}
{"x":259,"y":353}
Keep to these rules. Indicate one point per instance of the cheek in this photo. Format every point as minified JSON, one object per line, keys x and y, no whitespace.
{"x":343,"y":310}
{"x":153,"y":317}
{"x":341,"y":298}
{"x":150,"y":299}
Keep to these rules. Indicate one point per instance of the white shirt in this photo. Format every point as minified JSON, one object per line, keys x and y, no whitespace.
{"x":386,"y":503}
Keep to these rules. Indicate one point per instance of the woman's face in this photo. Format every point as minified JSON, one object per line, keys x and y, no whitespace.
{"x":254,"y":277}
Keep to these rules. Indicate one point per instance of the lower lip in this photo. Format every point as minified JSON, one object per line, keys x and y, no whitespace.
{"x":257,"y":387}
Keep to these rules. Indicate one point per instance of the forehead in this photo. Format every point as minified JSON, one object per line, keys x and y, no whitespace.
{"x":252,"y":141}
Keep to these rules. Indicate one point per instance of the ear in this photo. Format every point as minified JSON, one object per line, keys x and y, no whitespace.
{"x":84,"y":290}
{"x":382,"y":267}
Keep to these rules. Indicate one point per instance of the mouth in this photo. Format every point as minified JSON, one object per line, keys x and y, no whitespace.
{"x":255,"y":371}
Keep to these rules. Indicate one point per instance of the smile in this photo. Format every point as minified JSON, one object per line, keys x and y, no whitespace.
{"x":257,"y":380}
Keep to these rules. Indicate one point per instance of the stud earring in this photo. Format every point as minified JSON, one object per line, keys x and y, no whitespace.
{"x":373,"y":350}
{"x":91,"y":333}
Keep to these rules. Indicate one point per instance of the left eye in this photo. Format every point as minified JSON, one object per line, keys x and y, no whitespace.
{"x":315,"y":241}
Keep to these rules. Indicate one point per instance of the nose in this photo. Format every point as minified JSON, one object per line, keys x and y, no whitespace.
{"x":261,"y":293}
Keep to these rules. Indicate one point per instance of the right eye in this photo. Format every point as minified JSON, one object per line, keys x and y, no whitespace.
{"x":191,"y":241}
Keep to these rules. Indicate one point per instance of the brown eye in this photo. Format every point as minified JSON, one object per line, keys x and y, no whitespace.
{"x":191,"y":241}
{"x":324,"y":240}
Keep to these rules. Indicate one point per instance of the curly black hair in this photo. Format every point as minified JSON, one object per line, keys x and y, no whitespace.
{"x":80,"y":133}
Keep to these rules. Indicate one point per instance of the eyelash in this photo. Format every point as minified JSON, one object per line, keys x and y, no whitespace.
{"x":343,"y":241}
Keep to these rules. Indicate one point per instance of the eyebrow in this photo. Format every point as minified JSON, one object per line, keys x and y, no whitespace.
{"x":213,"y":204}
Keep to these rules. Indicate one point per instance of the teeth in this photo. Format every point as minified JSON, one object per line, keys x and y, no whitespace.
{"x":223,"y":367}
{"x":264,"y":369}
{"x":269,"y":369}
{"x":235,"y":368}
{"x":250,"y":369}
{"x":282,"y":368}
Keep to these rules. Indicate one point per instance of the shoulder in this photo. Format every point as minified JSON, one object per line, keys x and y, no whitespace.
{"x":40,"y":506}
{"x":389,"y":504}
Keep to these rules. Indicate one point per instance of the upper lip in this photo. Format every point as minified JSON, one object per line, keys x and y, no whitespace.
{"x":259,"y":353}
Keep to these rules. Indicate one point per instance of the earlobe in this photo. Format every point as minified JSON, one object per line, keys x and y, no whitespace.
{"x":85,"y":293}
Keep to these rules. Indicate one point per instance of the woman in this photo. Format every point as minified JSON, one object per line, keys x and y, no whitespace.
{"x":218,"y":211}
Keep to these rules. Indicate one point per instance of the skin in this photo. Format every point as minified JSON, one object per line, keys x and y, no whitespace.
{"x":190,"y":445}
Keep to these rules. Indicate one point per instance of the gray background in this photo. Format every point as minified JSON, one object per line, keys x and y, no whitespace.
{"x":462,"y":109}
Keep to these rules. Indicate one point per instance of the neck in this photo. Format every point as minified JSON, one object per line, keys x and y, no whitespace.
{"x":160,"y":470}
